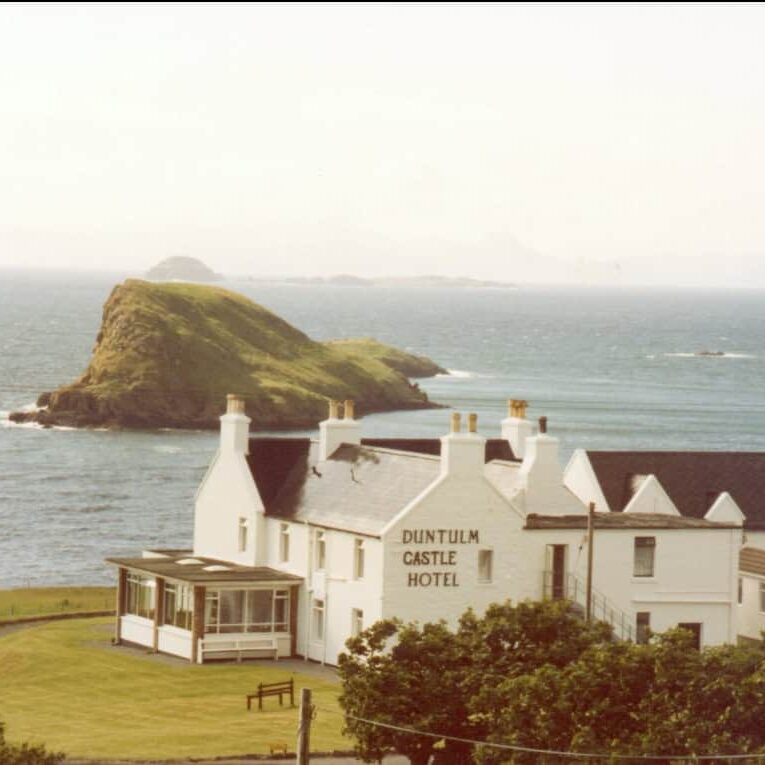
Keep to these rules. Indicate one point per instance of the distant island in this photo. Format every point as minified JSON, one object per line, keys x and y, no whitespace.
{"x":167,"y":354}
{"x":347,"y":280}
{"x":182,"y":268}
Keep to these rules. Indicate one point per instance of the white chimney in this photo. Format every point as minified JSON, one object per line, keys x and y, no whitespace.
{"x":235,"y":427}
{"x":541,"y":476}
{"x":516,"y":428}
{"x":334,"y":431}
{"x":463,"y":454}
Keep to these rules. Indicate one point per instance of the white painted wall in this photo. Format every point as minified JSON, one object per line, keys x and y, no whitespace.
{"x":175,"y":641}
{"x":137,"y":629}
{"x":580,"y":478}
{"x":751,"y":620}
{"x":228,"y":493}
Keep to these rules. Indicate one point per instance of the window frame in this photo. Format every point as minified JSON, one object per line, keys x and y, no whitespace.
{"x":140,"y":595}
{"x":762,"y":597}
{"x":318,"y":624}
{"x":214,"y":626}
{"x":320,"y":551}
{"x":642,"y":627}
{"x":486,"y":576}
{"x":644,"y":565}
{"x":284,"y":543}
{"x":243,"y":534}
{"x":357,"y":622}
{"x":359,"y":558}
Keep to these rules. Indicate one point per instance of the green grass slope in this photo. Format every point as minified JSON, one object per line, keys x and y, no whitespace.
{"x":63,"y":684}
{"x":409,"y":364}
{"x":24,"y":602}
{"x":167,"y":355}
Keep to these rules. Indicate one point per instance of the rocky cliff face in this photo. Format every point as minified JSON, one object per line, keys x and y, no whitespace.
{"x":167,"y":354}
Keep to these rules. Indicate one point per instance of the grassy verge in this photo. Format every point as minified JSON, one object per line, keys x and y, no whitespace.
{"x":38,"y":601}
{"x":63,"y":684}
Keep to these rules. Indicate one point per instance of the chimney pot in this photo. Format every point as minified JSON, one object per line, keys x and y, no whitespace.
{"x":456,"y":422}
{"x":234,"y":404}
{"x":348,"y":409}
{"x":472,"y":423}
{"x":333,"y":408}
{"x":543,"y":424}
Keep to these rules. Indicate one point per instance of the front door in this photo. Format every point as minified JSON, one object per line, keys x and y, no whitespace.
{"x":558,"y":571}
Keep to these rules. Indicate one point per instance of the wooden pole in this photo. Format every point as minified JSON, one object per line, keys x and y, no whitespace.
{"x":590,"y":539}
{"x":304,"y":728}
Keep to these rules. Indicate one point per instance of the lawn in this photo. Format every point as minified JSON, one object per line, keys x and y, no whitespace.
{"x":33,"y":601}
{"x":63,"y":684}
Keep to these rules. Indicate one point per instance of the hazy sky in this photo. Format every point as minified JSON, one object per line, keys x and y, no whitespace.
{"x":309,"y":139}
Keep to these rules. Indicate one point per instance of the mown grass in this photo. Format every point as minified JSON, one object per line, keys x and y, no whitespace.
{"x":37,"y":601}
{"x":63,"y":684}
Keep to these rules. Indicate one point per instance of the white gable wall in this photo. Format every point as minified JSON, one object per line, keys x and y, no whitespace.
{"x":227,"y":494}
{"x":580,"y":478}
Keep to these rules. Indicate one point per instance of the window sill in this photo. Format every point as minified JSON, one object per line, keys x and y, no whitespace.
{"x":643,"y":579}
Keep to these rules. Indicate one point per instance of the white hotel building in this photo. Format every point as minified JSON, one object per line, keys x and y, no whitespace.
{"x":299,"y":544}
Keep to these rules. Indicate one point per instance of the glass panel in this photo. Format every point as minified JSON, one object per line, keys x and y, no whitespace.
{"x":231,"y":610}
{"x":644,"y":556}
{"x":168,"y":608}
{"x":259,"y":605}
{"x":211,"y":612}
{"x":281,"y":611}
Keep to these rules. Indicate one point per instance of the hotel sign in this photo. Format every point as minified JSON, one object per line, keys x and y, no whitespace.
{"x":434,"y":549}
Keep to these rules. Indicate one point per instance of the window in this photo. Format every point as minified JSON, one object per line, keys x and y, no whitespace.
{"x":695,"y":629}
{"x":178,"y":608}
{"x":284,"y":542}
{"x":228,"y":611}
{"x":139,"y":598}
{"x":645,"y":549}
{"x":740,"y":590}
{"x":485,"y":565}
{"x":318,"y":619}
{"x":642,"y":627}
{"x":358,"y":559}
{"x":320,"y":551}
{"x":762,"y":597}
{"x":357,"y":622}
{"x":242,"y":534}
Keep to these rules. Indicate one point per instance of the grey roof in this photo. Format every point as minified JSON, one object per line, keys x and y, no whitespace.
{"x":622,"y":521}
{"x":693,"y":480}
{"x":195,"y":573}
{"x":359,"y":489}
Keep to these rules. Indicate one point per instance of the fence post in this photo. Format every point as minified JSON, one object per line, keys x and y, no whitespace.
{"x":304,"y":728}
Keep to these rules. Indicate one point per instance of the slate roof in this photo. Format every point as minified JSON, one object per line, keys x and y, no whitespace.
{"x":359,"y":489}
{"x":693,"y":480}
{"x":752,"y":560}
{"x":195,"y":573}
{"x":622,"y":521}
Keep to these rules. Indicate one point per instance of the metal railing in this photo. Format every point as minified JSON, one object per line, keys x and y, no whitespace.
{"x":571,"y":587}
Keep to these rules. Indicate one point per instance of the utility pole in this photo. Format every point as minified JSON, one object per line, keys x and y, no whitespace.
{"x":590,"y":539}
{"x":304,"y":728}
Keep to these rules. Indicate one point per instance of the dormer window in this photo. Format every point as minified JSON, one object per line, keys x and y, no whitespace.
{"x":243,"y":535}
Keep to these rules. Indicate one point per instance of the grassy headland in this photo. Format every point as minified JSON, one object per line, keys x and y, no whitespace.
{"x":65,"y":685}
{"x":167,"y":355}
{"x":24,"y":602}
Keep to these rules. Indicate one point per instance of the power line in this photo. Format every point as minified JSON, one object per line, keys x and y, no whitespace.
{"x":552,"y":752}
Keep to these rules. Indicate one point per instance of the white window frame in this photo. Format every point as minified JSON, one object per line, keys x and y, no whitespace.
{"x":644,"y":563}
{"x":359,"y":555}
{"x":284,"y":542}
{"x":317,"y":619}
{"x":486,"y":566}
{"x":178,"y":606}
{"x":212,"y":623}
{"x":141,"y":595}
{"x":320,"y":550}
{"x":242,"y":539}
{"x":357,"y":622}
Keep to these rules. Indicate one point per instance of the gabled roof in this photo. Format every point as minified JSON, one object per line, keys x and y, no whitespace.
{"x":359,"y":488}
{"x":693,"y":480}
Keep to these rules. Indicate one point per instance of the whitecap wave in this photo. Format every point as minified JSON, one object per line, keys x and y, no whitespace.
{"x":167,"y":449}
{"x":462,"y":374}
{"x":713,"y":355}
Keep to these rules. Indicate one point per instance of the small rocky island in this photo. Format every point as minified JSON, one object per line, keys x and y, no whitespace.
{"x":167,"y":354}
{"x":182,"y":268}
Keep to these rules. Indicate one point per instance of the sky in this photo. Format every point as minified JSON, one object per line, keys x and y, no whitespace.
{"x":569,"y":142}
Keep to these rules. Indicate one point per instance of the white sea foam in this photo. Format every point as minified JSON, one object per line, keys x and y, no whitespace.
{"x":167,"y":449}
{"x":700,"y":355}
{"x":461,"y":374}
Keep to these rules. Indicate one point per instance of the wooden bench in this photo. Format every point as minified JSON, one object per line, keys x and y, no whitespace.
{"x":273,"y":689}
{"x":278,"y":746}
{"x":240,"y":646}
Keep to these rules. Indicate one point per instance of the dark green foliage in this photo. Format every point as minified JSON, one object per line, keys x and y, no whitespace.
{"x":534,"y":675}
{"x":25,"y":754}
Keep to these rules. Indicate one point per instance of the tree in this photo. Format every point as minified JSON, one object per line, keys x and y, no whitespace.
{"x":406,"y":676}
{"x":25,"y":754}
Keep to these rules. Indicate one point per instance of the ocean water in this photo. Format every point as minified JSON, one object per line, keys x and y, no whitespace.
{"x":611,"y":369}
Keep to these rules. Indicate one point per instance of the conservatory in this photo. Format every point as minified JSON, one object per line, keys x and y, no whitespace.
{"x":203,"y":609}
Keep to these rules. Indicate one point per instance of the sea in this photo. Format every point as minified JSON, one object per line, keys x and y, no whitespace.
{"x":610,"y":368}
